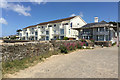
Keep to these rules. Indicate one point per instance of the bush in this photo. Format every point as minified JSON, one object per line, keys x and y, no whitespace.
{"x":79,"y":46}
{"x":114,"y":44}
{"x":71,"y":46}
{"x":63,"y":49}
{"x":65,"y":38}
{"x":58,"y":39}
{"x":83,"y":40}
{"x":92,"y":40}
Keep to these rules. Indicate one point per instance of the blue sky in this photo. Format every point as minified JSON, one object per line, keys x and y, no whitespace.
{"x":20,"y":15}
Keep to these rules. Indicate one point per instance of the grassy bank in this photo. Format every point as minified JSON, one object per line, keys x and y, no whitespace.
{"x":0,"y":70}
{"x":16,"y":65}
{"x":11,"y":67}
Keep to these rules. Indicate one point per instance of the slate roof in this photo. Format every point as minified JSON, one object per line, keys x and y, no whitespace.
{"x":92,"y":25}
{"x":102,"y":23}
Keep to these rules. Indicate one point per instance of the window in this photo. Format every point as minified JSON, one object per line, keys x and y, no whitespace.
{"x":54,"y":25}
{"x":35,"y":38}
{"x":106,"y":29}
{"x":42,"y":32}
{"x":50,"y":26}
{"x":42,"y":26}
{"x":101,"y":37}
{"x":97,"y":29}
{"x":61,"y":31}
{"x":36,"y":33}
{"x":26,"y":34}
{"x":71,"y":25}
{"x":107,"y":38}
{"x":47,"y":32}
{"x":47,"y":37}
{"x":69,"y":31}
{"x":54,"y":31}
{"x":61,"y":37}
{"x":32,"y":32}
{"x":32,"y":28}
{"x":20,"y":34}
{"x":65,"y":24}
{"x":32,"y":38}
{"x":77,"y":23}
{"x":101,"y":28}
{"x":55,"y":37}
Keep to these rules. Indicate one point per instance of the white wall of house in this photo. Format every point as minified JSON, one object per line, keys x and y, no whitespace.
{"x":60,"y":30}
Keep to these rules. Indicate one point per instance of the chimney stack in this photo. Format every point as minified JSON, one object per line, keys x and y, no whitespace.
{"x":96,"y":19}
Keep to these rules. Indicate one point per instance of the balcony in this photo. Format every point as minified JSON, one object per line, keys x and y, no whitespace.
{"x":86,"y":33}
{"x":43,"y":34}
{"x":56,"y":33}
{"x":101,"y":33}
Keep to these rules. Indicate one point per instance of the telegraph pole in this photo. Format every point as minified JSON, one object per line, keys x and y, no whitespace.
{"x":118,"y":29}
{"x":117,"y":34}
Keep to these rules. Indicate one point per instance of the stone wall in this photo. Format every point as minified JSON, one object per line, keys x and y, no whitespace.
{"x":17,"y":51}
{"x":104,"y":43}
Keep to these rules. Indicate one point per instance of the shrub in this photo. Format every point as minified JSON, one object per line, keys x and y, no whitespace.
{"x":79,"y":46}
{"x":63,"y":49}
{"x":65,"y":38}
{"x":58,"y":39}
{"x":114,"y":44}
{"x":92,"y":40}
{"x":83,"y":40}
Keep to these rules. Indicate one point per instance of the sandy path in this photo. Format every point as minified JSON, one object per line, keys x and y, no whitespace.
{"x":96,"y":63}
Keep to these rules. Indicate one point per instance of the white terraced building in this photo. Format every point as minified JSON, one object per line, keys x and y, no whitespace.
{"x":52,"y":30}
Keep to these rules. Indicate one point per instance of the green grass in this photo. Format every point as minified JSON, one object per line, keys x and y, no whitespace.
{"x":16,"y":65}
{"x":0,"y":70}
{"x":11,"y":67}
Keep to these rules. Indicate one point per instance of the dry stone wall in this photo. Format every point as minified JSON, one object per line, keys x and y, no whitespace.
{"x":17,"y":51}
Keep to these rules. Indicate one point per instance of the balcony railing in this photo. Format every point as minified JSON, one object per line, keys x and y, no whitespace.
{"x":101,"y":33}
{"x":56,"y":33}
{"x":43,"y":34}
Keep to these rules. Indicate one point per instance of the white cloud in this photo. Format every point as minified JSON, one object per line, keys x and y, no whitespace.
{"x":80,"y":14}
{"x":20,"y":9}
{"x":3,"y":21}
{"x":72,"y":15}
{"x":39,"y":1}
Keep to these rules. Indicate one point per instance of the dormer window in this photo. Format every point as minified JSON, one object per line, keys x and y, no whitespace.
{"x":32,"y":28}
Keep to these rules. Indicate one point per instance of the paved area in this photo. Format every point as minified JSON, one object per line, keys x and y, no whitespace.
{"x":96,"y":63}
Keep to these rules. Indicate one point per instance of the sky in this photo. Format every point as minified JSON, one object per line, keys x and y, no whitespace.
{"x":18,"y":15}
